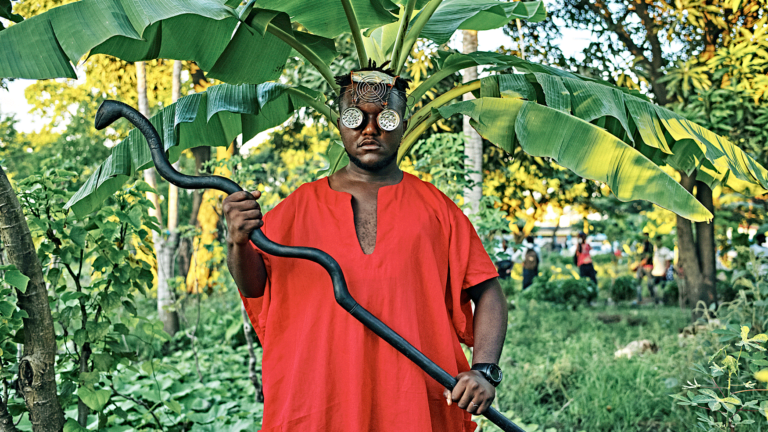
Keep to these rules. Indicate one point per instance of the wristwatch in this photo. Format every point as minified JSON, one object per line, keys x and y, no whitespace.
{"x":491,"y":372}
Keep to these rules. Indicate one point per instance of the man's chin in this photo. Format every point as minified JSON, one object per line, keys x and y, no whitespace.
{"x":374,"y":166}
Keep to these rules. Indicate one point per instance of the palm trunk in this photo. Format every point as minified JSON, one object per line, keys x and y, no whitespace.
{"x":473,"y":146}
{"x":37,"y":376}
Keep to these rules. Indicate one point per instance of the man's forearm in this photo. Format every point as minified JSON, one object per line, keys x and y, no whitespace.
{"x":247,"y":269}
{"x":490,"y":323}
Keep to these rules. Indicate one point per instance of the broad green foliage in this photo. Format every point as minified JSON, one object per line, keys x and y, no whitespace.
{"x":214,"y":117}
{"x":453,"y":15}
{"x":205,"y":31}
{"x":727,"y":385}
{"x":94,"y":277}
{"x":637,"y":136}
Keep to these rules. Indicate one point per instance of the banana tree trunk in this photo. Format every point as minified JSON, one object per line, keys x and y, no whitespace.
{"x":37,"y":376}
{"x":698,"y":270}
{"x":705,"y":245}
{"x":473,"y":146}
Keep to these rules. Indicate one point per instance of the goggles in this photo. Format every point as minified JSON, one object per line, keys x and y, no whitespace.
{"x":372,"y":87}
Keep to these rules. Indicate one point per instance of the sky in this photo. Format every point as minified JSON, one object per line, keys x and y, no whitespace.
{"x":14,"y":102}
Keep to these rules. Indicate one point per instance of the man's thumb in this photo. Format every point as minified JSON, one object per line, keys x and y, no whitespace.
{"x":447,"y":396}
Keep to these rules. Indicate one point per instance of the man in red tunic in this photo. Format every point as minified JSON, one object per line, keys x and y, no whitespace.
{"x":409,"y":255}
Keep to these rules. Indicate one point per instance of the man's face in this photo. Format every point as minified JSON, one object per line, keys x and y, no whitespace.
{"x":369,"y":147}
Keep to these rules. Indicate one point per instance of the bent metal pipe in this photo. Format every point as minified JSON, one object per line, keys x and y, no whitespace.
{"x":110,"y":111}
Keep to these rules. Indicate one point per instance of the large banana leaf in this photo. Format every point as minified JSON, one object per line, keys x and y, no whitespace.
{"x":656,"y":132}
{"x":211,"y":118}
{"x":327,"y":18}
{"x":205,"y":31}
{"x":452,"y":15}
{"x":584,"y":148}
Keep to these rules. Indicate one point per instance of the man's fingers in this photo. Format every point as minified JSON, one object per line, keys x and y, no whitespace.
{"x":447,"y":396}
{"x":241,"y":196}
{"x":465,"y":399}
{"x":256,"y":194}
{"x":251,"y":214}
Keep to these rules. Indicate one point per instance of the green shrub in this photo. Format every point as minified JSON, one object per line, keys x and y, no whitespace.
{"x":670,"y":291}
{"x":623,"y":288}
{"x":569,"y":292}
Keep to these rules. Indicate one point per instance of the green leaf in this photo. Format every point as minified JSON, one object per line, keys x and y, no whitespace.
{"x":173,"y":406}
{"x":452,"y":15}
{"x":103,"y":362}
{"x":16,"y":279}
{"x":205,"y":31}
{"x":6,"y":11}
{"x":77,"y":235}
{"x":326,"y":17}
{"x":7,"y":308}
{"x":81,"y":336}
{"x":96,"y":331}
{"x":95,"y":400}
{"x":587,"y":150}
{"x":337,"y":159}
{"x":73,"y":426}
{"x":211,"y":118}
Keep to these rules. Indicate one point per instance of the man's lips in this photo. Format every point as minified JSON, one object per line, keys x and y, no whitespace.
{"x":369,"y":144}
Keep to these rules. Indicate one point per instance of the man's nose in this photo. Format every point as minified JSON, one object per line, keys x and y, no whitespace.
{"x":371,"y":126}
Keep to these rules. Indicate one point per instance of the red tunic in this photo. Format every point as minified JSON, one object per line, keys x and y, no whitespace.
{"x":322,"y":369}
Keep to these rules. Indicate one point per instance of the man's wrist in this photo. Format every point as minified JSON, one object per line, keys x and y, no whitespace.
{"x":490,"y":371}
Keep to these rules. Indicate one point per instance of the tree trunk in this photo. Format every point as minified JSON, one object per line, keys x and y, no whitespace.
{"x":705,"y":245}
{"x":202,"y":155}
{"x":164,"y":247}
{"x":37,"y":377}
{"x":694,"y":288}
{"x":6,"y":421}
{"x":473,"y":146}
{"x":252,"y":362}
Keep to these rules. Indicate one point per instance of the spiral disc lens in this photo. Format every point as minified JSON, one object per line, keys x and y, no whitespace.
{"x":352,"y":117}
{"x":389,"y":120}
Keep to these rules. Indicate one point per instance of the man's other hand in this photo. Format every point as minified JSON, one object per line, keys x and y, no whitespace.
{"x":243,"y":215}
{"x":472,"y":393}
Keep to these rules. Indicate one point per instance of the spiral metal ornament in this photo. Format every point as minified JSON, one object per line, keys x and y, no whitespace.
{"x":389,"y":119}
{"x":372,"y":87}
{"x":352,"y":117}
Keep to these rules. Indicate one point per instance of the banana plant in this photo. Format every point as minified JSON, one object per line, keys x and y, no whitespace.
{"x":599,"y":131}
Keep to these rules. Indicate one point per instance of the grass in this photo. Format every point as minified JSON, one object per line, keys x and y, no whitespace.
{"x":561,"y":373}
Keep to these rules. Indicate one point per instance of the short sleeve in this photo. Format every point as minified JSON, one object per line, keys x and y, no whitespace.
{"x":469,"y":265}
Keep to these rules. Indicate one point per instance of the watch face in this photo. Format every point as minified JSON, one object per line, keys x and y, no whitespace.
{"x":495,"y":373}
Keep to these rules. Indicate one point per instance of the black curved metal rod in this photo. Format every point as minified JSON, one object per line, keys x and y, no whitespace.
{"x":110,"y":111}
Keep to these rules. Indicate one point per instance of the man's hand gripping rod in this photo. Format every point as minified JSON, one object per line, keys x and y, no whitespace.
{"x":110,"y":111}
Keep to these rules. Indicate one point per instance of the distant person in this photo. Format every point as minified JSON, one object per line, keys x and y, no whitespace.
{"x":504,"y":266}
{"x":530,"y":263}
{"x":584,"y":259}
{"x":645,"y":268}
{"x":662,"y":262}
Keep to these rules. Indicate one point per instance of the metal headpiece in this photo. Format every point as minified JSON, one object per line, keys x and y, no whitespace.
{"x":372,"y":87}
